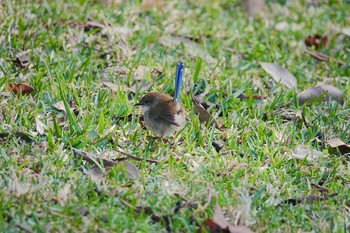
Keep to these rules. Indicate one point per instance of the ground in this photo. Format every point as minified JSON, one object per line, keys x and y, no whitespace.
{"x":71,"y":72}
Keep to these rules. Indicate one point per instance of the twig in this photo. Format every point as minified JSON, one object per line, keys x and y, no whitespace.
{"x":92,"y":159}
{"x":322,"y":57}
{"x":137,"y":158}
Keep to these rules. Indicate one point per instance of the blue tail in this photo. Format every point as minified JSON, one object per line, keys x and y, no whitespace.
{"x":178,"y":80}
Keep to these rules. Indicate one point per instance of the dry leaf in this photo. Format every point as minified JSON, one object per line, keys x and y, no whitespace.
{"x":60,"y":106}
{"x":131,"y":170}
{"x":22,"y":60}
{"x":40,"y":127}
{"x":333,"y":93}
{"x":339,"y":144}
{"x":329,"y":93}
{"x":220,"y":224}
{"x":20,"y":88}
{"x":204,"y":115}
{"x":218,"y":145}
{"x":302,"y":152}
{"x":280,"y":74}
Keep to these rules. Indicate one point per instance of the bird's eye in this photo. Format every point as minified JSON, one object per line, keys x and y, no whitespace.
{"x":146,"y":102}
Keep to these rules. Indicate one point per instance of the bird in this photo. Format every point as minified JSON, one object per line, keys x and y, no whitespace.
{"x":164,"y":115}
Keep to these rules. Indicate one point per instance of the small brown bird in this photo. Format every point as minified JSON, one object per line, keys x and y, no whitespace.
{"x":164,"y":115}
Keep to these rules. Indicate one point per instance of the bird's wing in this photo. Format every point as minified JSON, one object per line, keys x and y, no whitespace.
{"x":165,"y":116}
{"x":167,"y":119}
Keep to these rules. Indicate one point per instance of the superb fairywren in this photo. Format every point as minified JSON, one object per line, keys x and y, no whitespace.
{"x":164,"y":115}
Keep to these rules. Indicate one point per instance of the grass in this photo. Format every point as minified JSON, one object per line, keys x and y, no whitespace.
{"x":45,"y":188}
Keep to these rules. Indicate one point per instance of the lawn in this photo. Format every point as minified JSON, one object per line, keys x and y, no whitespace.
{"x":76,"y":156}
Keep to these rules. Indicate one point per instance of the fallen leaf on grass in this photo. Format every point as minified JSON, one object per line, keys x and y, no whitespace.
{"x":302,"y":152}
{"x":207,"y":105}
{"x":20,"y":89}
{"x":218,"y":145}
{"x":22,"y":60}
{"x":204,"y":115}
{"x":220,"y":224}
{"x":60,"y":106}
{"x":40,"y":127}
{"x":321,"y":93}
{"x":131,"y":170}
{"x":339,"y":144}
{"x":96,"y":173}
{"x":316,"y":40}
{"x":280,"y":74}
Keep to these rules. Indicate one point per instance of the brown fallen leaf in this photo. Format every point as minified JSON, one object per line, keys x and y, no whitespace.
{"x":302,"y":152}
{"x":60,"y":106}
{"x":97,"y":174}
{"x":218,"y":145}
{"x":316,"y":41}
{"x":204,"y":115}
{"x":339,"y":144}
{"x":321,"y":93}
{"x":280,"y":75}
{"x":132,"y":172}
{"x":40,"y":126}
{"x":220,"y":224}
{"x":20,"y":89}
{"x":22,"y":60}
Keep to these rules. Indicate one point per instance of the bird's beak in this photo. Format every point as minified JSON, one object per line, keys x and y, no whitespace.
{"x":138,"y":104}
